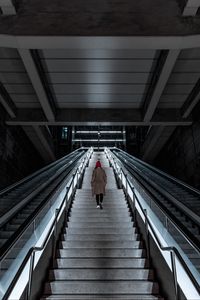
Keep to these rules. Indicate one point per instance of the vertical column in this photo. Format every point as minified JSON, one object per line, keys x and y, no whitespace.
{"x":124,"y":137}
{"x":73,"y":136}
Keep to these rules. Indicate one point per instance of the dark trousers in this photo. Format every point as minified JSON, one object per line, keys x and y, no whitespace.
{"x":99,"y":198}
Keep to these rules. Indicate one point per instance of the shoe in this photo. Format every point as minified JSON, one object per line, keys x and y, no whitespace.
{"x":101,"y":207}
{"x":98,"y":206}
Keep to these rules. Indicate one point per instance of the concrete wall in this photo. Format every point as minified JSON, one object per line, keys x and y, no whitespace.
{"x":181,"y":155}
{"x":18,"y":157}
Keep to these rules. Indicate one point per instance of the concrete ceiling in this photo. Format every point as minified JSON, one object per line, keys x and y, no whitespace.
{"x":149,"y":79}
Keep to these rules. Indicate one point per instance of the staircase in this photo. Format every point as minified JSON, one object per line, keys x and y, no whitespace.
{"x":101,"y":255}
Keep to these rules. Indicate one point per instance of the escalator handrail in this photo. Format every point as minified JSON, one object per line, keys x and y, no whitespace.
{"x":40,"y":171}
{"x":35,"y":190}
{"x":164,"y":174}
{"x":169,"y":195}
{"x":28,"y":221}
{"x":163,"y":248}
{"x":179,"y":228}
{"x":187,"y":211}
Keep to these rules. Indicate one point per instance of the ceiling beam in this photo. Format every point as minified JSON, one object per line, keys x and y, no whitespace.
{"x":190,"y":7}
{"x":7,"y":102}
{"x":160,"y":77}
{"x":155,"y":141}
{"x":7,"y":7}
{"x":37,"y":83}
{"x":165,"y":117}
{"x":95,"y":42}
{"x":191,"y":101}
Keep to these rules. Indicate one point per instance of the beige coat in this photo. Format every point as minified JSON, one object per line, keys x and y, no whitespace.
{"x":98,"y":181}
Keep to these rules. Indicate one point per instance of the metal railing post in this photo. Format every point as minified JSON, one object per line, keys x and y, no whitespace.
{"x":54,"y":235}
{"x":126,"y":185}
{"x":32,"y":260}
{"x":121,"y":184}
{"x":173,"y":263}
{"x":77,"y":179}
{"x":73,"y":185}
{"x":134,"y":205}
{"x":147,"y":236}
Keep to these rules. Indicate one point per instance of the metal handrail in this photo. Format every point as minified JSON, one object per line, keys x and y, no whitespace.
{"x":32,"y":250}
{"x":172,"y":178}
{"x":172,"y":221}
{"x":170,"y":249}
{"x":40,"y":171}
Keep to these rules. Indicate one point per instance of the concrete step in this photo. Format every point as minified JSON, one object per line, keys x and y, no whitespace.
{"x":104,"y":297}
{"x":101,"y":287}
{"x":110,"y":224}
{"x":105,"y":201}
{"x":101,"y":244}
{"x":101,"y":263}
{"x":109,"y":192}
{"x":99,"y":218}
{"x":100,"y":230}
{"x":101,"y":274}
{"x":88,"y":190}
{"x":91,"y":206}
{"x":108,"y":196}
{"x":114,"y":193}
{"x":100,"y":213}
{"x":101,"y":237}
{"x":91,"y":253}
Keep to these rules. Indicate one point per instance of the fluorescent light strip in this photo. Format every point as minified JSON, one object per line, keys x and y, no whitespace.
{"x":96,"y":131}
{"x":96,"y":140}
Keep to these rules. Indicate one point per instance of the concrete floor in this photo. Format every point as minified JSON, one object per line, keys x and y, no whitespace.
{"x":99,"y":17}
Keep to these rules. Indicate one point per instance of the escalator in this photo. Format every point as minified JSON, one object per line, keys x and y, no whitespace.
{"x":40,"y":188}
{"x":180,"y":202}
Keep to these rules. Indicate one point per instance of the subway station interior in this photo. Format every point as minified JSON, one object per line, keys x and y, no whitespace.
{"x":109,"y":81}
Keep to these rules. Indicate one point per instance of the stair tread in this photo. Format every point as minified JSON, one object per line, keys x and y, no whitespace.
{"x":99,"y":297}
{"x":101,"y":262}
{"x":101,"y":244}
{"x":101,"y":252}
{"x":101,"y":274}
{"x":102,"y":287}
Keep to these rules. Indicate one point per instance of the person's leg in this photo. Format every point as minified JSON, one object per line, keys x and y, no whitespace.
{"x":97,"y":200}
{"x":101,"y":198}
{"x":101,"y":201}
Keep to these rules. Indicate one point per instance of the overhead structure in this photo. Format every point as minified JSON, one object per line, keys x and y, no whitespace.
{"x":85,"y":72}
{"x":190,"y":7}
{"x":165,"y":65}
{"x":7,"y":7}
